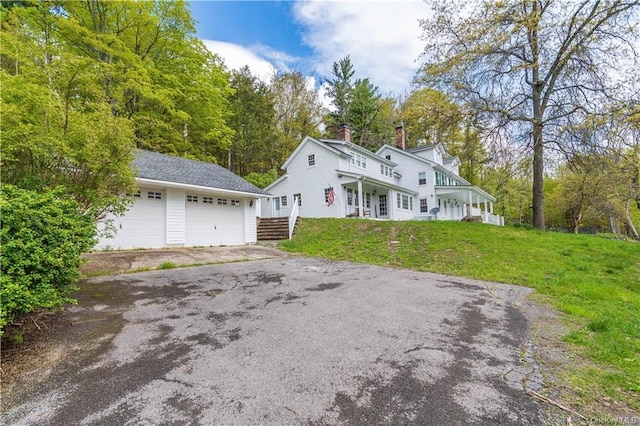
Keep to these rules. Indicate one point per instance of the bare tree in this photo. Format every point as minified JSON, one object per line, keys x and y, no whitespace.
{"x":536,"y":66}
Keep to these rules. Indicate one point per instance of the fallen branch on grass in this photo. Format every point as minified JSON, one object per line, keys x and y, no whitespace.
{"x":557,"y":404}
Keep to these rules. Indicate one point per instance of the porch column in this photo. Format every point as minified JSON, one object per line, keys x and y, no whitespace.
{"x":360,"y":199}
{"x":491,"y":207}
{"x":470,"y":204}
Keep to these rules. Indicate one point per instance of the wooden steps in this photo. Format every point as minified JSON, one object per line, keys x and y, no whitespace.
{"x":273,"y":228}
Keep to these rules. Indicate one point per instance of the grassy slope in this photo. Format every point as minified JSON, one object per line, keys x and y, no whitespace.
{"x":595,"y":281}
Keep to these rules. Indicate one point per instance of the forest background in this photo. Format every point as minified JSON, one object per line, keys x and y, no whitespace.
{"x":84,"y":83}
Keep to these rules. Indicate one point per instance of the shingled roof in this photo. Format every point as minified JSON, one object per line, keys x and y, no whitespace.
{"x":156,"y":166}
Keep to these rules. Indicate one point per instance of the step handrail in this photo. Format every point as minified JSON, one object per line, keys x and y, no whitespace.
{"x":293,"y":217}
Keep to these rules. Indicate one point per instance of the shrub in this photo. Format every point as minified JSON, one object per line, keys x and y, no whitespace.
{"x":42,"y":235}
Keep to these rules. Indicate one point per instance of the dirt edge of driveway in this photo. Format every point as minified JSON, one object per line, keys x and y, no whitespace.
{"x":124,"y":261}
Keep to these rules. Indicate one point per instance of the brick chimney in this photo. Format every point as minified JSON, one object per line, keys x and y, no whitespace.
{"x":400,"y":136}
{"x":344,"y":133}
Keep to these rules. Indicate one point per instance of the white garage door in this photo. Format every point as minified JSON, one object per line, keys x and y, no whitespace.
{"x":143,"y":225}
{"x":213,"y":221}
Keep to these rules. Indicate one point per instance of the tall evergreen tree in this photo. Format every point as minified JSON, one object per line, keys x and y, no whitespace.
{"x":340,"y":89}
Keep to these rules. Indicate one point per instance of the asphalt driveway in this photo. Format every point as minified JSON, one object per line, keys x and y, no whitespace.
{"x":289,"y":340}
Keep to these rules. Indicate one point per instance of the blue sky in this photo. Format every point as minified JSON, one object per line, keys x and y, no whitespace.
{"x":382,"y":37}
{"x":270,"y":23}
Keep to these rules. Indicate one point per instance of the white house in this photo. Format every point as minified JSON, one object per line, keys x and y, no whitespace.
{"x":181,"y":202}
{"x":336,"y":178}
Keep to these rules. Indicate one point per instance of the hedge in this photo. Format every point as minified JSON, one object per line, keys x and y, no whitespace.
{"x":42,"y":235}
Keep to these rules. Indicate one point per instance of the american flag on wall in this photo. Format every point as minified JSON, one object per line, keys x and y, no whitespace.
{"x":331,"y":195}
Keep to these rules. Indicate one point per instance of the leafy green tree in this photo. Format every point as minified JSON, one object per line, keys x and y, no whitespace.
{"x":261,"y":180}
{"x":430,"y":117}
{"x":253,"y":122}
{"x":533,"y":66}
{"x":298,"y":113}
{"x":57,"y":129}
{"x":155,"y":72}
{"x":89,"y":81}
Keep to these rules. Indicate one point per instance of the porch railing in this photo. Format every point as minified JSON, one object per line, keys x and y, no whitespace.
{"x":293,"y":217}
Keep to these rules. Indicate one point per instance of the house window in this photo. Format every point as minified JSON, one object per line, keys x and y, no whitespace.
{"x":154,"y":195}
{"x":423,"y":206}
{"x":311,"y":159}
{"x":422,"y":178}
{"x":386,"y":171}
{"x":235,"y":203}
{"x":283,"y":201}
{"x":222,"y":201}
{"x":358,"y":160}
{"x":136,"y":194}
{"x":404,"y":201}
{"x":192,"y":198}
{"x":367,"y":200}
{"x":299,"y":197}
{"x":207,"y":200}
{"x":388,"y":156}
{"x":349,"y":196}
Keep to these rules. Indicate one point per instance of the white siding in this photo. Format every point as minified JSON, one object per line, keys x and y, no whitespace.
{"x":258,"y":208}
{"x":175,"y":216}
{"x":250,"y":223}
{"x":410,"y":168}
{"x":310,"y":182}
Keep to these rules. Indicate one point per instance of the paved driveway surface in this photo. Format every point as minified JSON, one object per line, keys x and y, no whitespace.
{"x":291,"y":340}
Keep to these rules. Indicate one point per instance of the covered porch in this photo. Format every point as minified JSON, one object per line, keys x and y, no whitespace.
{"x":371,"y":198}
{"x":457,"y":202}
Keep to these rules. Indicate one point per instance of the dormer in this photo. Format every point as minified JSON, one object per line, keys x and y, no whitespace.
{"x":435,"y":153}
{"x":452,"y":164}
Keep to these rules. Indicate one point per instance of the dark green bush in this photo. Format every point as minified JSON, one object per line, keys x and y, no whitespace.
{"x":42,"y":235}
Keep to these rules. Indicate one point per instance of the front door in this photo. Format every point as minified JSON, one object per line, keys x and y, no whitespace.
{"x":276,"y":206}
{"x":382,"y":200}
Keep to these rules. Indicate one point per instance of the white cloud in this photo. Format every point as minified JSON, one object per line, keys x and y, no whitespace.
{"x":382,"y":38}
{"x":324,"y":99}
{"x":236,"y":56}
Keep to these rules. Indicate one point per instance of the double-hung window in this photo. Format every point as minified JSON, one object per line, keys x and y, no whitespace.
{"x":422,"y":178}
{"x":404,"y":201}
{"x":424,"y":208}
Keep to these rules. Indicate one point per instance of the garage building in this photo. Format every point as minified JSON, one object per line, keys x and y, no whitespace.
{"x":182,"y":202}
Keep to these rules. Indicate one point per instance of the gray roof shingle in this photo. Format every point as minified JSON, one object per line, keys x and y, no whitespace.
{"x":156,"y":166}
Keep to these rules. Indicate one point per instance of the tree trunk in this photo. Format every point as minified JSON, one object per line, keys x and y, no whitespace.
{"x":612,"y":225}
{"x":538,"y":176}
{"x":629,"y":222}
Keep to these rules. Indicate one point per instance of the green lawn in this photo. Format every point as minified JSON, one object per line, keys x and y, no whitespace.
{"x":594,"y":280}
